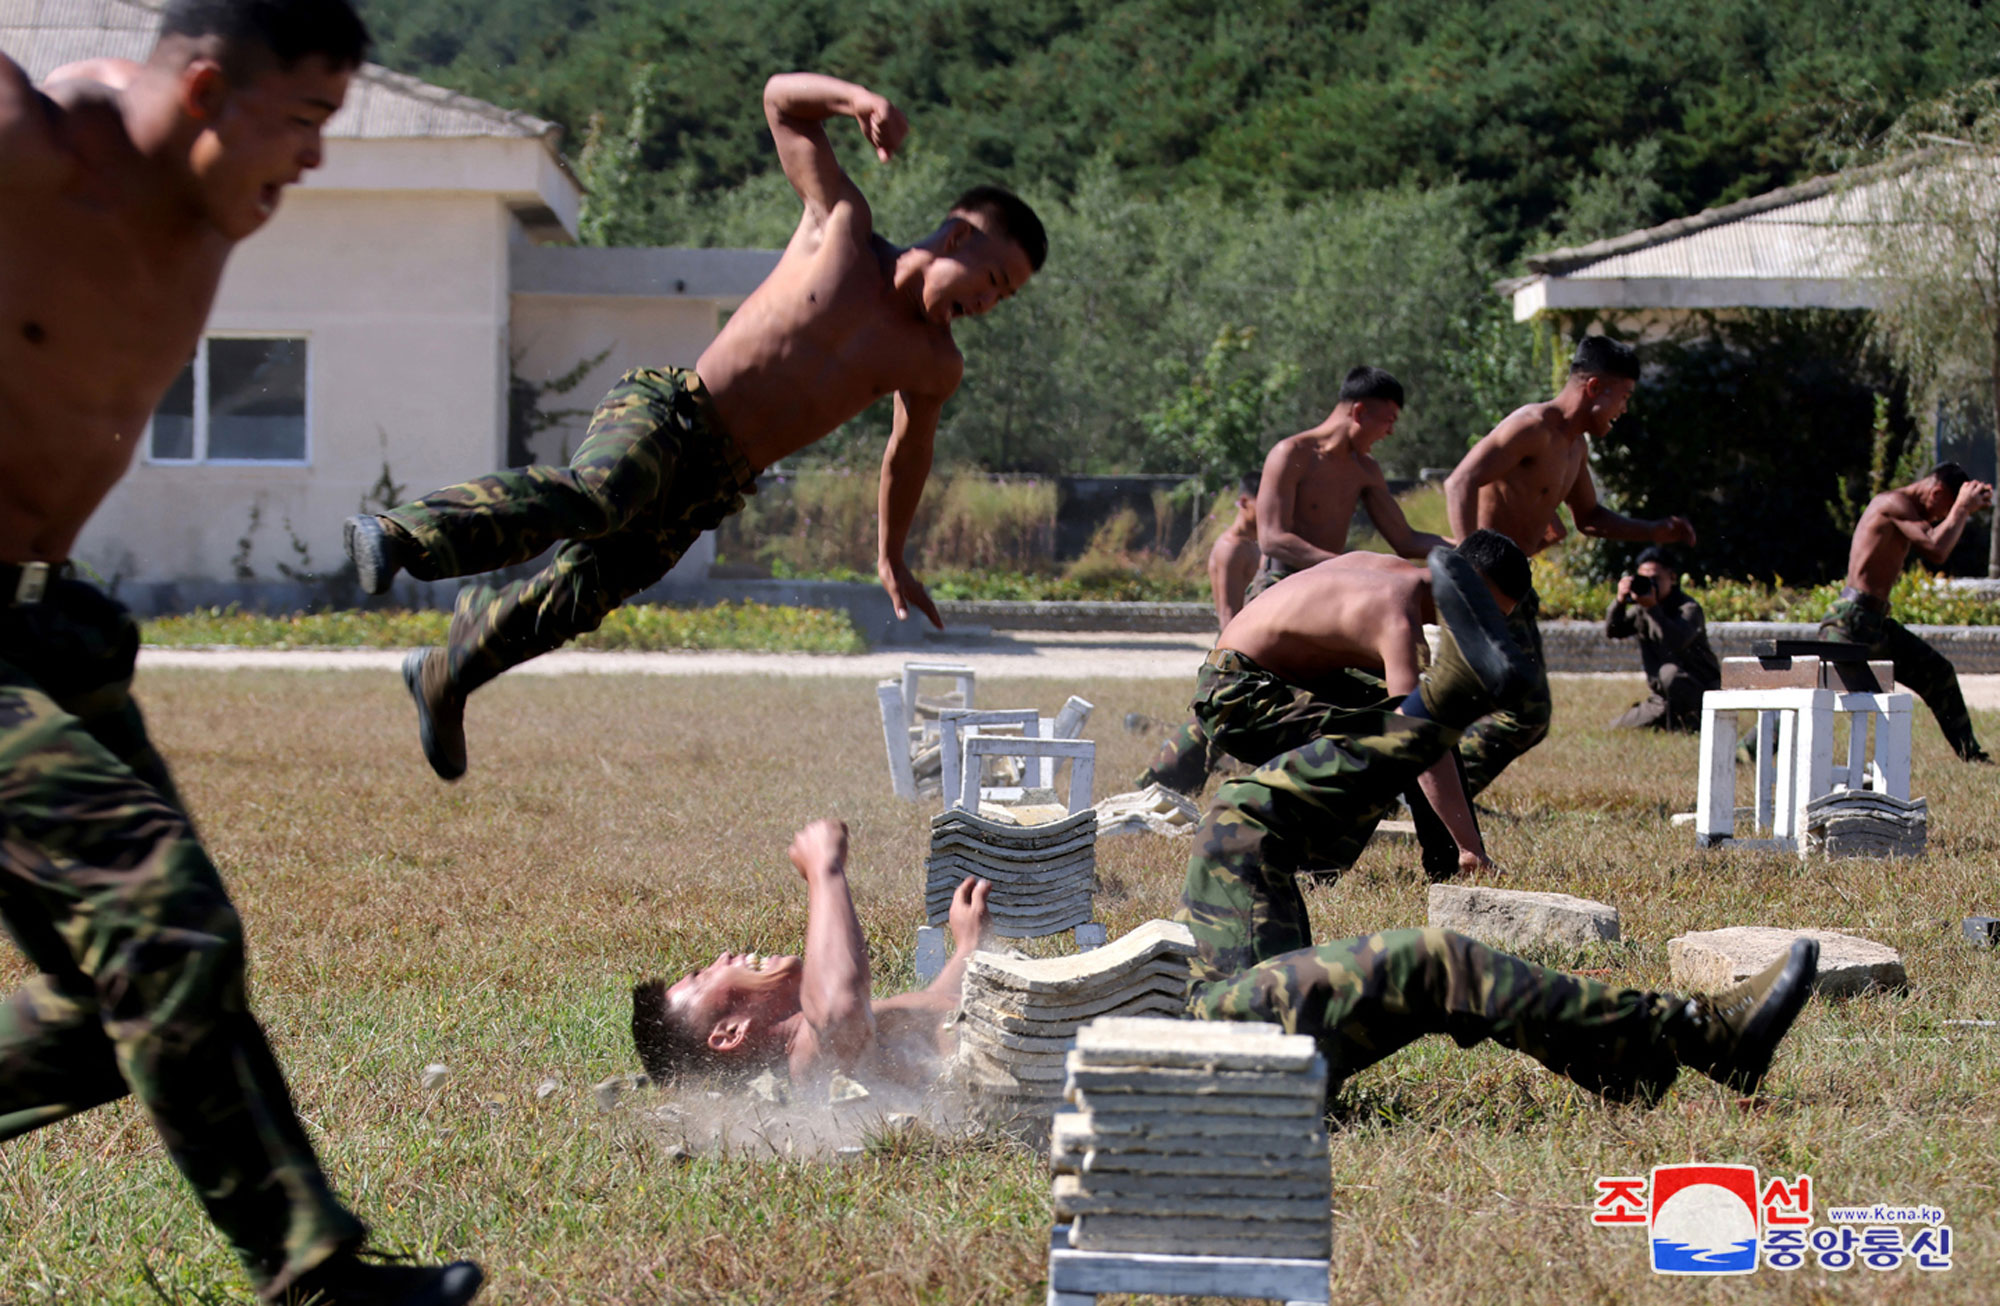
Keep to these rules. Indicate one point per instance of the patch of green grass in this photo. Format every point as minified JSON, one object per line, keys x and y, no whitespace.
{"x":614,"y":827}
{"x":759,"y":627}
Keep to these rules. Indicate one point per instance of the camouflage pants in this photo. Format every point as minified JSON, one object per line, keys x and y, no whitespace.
{"x":1673,"y":704}
{"x":1268,"y":574}
{"x":1243,"y":711}
{"x":1361,"y":999}
{"x":105,"y":887}
{"x":1925,"y":670}
{"x":1493,"y":743}
{"x":653,"y":473}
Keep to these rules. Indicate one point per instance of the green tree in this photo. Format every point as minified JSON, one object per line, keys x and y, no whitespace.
{"x":1218,"y":412}
{"x":1930,"y":220}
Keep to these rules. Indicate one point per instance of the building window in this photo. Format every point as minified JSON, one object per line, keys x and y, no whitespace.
{"x":242,"y":400}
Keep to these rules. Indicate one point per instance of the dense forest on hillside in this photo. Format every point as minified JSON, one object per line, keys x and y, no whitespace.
{"x":1244,"y":199}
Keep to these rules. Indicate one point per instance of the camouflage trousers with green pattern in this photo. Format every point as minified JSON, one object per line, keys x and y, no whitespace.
{"x":1922,"y":668}
{"x":106,"y":888}
{"x":1269,"y":572}
{"x":1493,"y":743}
{"x":1243,"y":711}
{"x":1361,"y":999}
{"x":654,"y":471}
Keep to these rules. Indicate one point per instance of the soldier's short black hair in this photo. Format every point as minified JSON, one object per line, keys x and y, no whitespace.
{"x":1011,"y":214}
{"x":1499,"y":560}
{"x":289,"y":30}
{"x":1249,"y":483}
{"x":1366,"y":382}
{"x":1654,"y":553}
{"x":1950,"y":476}
{"x":1603,"y":356}
{"x":670,"y":1047}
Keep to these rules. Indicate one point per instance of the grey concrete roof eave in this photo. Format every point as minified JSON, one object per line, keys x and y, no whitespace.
{"x":725,"y":275}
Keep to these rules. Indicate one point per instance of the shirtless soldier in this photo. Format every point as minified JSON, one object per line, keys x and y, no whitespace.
{"x":1232,"y":559}
{"x":1305,"y":503}
{"x":843,"y":320}
{"x":1283,"y":673}
{"x":815,"y":1014}
{"x":1362,"y":998}
{"x":1512,"y":481}
{"x":1928,"y":516}
{"x":123,"y":188}
{"x":1313,"y":480}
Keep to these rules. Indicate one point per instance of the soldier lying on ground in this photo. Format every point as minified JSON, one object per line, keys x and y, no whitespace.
{"x":1927,"y":516}
{"x":843,"y":320}
{"x":815,"y":1014}
{"x":124,"y":187}
{"x":1363,"y":998}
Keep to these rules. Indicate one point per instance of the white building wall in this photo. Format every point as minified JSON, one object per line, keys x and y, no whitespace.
{"x":403,"y":298}
{"x":553,"y":333}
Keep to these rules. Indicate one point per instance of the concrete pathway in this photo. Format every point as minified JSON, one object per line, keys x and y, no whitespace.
{"x":1057,"y":655}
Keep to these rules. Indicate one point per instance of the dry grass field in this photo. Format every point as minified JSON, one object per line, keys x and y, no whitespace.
{"x":619,"y":826}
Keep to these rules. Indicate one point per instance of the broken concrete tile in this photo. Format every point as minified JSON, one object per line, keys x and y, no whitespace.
{"x":1196,"y":1165}
{"x":767,"y":1088}
{"x":1173,"y":1133}
{"x":434,"y":1076}
{"x":1983,"y":931}
{"x":1073,"y":1198}
{"x":1219,"y":1045}
{"x":842,"y":1089}
{"x":1512,"y":918}
{"x":1006,"y":1010}
{"x":1157,"y":1079}
{"x":607,"y":1092}
{"x":547,"y":1089}
{"x":1715,"y":959}
{"x":1101,"y":1106}
{"x":1301,"y":1239}
{"x":1063,"y":976}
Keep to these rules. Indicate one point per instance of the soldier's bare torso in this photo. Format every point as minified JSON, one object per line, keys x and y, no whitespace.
{"x":1522,"y":504}
{"x":1360,"y":610}
{"x":826,"y":335}
{"x":101,"y":304}
{"x":1880,"y":550}
{"x":1331,"y":480}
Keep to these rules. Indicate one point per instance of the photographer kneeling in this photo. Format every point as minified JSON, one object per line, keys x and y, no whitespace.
{"x":1673,"y":645}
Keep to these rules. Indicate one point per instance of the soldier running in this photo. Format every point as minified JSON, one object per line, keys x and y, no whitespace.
{"x":1363,"y":998}
{"x":1306,"y":498}
{"x":1341,"y":641}
{"x":1233,"y":558}
{"x":1513,"y":481}
{"x":844,"y":319}
{"x":1928,"y":516}
{"x":123,"y":189}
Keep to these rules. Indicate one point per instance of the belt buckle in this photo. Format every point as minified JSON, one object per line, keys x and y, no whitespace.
{"x":32,"y":583}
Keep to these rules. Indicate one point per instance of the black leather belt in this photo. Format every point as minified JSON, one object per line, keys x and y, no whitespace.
{"x":24,"y":583}
{"x":1864,"y":599}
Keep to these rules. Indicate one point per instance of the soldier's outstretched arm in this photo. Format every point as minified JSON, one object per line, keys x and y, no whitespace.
{"x":835,"y":988}
{"x":906,"y":465}
{"x":797,"y":105}
{"x":1389,"y":521}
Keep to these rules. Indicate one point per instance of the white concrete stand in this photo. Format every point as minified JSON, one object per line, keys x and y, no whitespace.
{"x":1076,"y":1277}
{"x":1795,"y":757}
{"x":934,"y":946}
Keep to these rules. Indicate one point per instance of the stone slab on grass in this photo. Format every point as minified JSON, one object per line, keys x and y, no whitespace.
{"x":1715,"y":959}
{"x":1513,"y":918}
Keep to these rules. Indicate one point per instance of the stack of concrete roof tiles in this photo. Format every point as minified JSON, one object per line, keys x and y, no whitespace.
{"x":1202,"y":1138}
{"x":1043,"y":876}
{"x":1018,"y":1015}
{"x":1863,"y":823}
